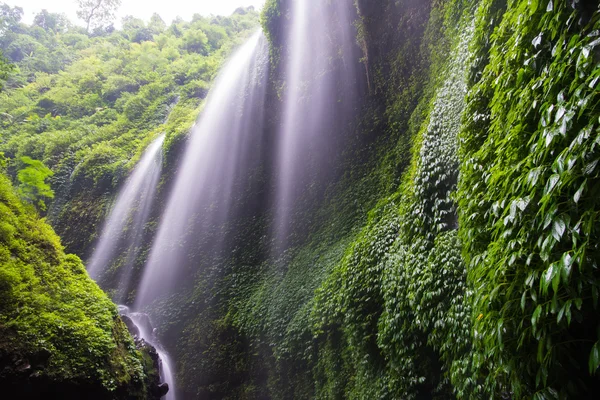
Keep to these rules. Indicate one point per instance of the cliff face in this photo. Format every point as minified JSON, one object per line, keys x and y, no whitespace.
{"x":447,"y":250}
{"x":61,"y":336}
{"x":441,"y":262}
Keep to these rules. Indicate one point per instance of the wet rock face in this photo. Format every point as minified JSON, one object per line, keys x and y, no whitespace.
{"x":142,"y":321}
{"x":136,"y":324}
{"x":162,"y":389}
{"x":23,"y":366}
{"x":133,"y":329}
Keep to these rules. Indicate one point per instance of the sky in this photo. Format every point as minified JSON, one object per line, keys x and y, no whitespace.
{"x":167,"y":9}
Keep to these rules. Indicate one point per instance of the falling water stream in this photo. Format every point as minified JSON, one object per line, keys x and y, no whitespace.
{"x":222,"y":150}
{"x":219,"y":150}
{"x":146,"y":332}
{"x":122,"y":234}
{"x":321,"y":59}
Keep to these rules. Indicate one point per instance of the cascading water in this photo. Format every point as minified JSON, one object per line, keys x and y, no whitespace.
{"x":146,"y":332}
{"x":321,"y":70}
{"x":218,"y":153}
{"x":121,"y":239}
{"x":112,"y":261}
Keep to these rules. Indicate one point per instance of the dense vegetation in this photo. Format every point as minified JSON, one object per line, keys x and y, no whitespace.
{"x":60,"y":332}
{"x":528,"y":202}
{"x":488,"y":289}
{"x":77,"y":110}
{"x":87,"y":104}
{"x":451,"y":249}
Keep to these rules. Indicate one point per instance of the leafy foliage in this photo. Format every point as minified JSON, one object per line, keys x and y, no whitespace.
{"x":87,"y":104}
{"x":55,"y":323}
{"x":476,"y":275}
{"x":454,"y":257}
{"x":528,"y":202}
{"x":33,"y":186}
{"x":5,"y":69}
{"x":364,"y":312}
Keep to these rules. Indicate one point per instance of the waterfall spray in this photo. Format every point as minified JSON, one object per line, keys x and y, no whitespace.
{"x":217,"y":153}
{"x":122,"y":234}
{"x":321,"y":71}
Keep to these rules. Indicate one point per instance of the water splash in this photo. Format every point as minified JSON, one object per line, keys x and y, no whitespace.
{"x":219,"y":152}
{"x":146,"y":332}
{"x":112,"y":262}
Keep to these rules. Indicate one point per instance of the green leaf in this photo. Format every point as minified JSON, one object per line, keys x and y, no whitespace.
{"x":548,"y":276}
{"x":533,"y":6}
{"x":536,"y":315}
{"x":594,"y":361}
{"x":558,"y":229}
{"x":561,"y":313}
{"x":566,"y":262}
{"x":588,"y":169}
{"x":552,"y":181}
{"x":522,"y":203}
{"x":579,"y":192}
{"x":534,"y":175}
{"x":547,"y":247}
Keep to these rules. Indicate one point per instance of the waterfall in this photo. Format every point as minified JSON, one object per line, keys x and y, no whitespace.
{"x":146,"y":332}
{"x":219,"y":152}
{"x":120,"y":241}
{"x":112,"y":261}
{"x":321,"y":72}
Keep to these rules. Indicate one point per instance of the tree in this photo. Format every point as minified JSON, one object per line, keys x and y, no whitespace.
{"x":51,"y":21}
{"x":5,"y":68}
{"x":96,"y":13}
{"x":156,"y":24}
{"x":32,"y":182}
{"x":10,"y":17}
{"x":195,"y":41}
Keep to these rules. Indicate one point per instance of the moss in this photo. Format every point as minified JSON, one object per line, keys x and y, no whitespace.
{"x":271,"y":20}
{"x":57,"y":327}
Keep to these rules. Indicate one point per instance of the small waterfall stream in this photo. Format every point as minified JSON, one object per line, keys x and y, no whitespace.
{"x":219,"y":151}
{"x":146,"y":332}
{"x":120,"y":242}
{"x":122,"y":234}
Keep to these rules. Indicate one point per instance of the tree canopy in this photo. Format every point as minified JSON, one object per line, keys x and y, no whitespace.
{"x":33,"y":186}
{"x":97,"y":13}
{"x":94,"y":99}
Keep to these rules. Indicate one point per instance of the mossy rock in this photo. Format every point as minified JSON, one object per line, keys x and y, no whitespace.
{"x":60,"y":335}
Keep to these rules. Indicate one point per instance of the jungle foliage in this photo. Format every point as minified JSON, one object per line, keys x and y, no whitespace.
{"x":475,"y":273}
{"x":60,"y":332}
{"x":87,"y":104}
{"x":455,"y":255}
{"x":528,"y":201}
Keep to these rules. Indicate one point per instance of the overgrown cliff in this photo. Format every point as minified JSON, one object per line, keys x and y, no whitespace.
{"x":469,"y":269}
{"x":445,"y":247}
{"x":61,"y":335}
